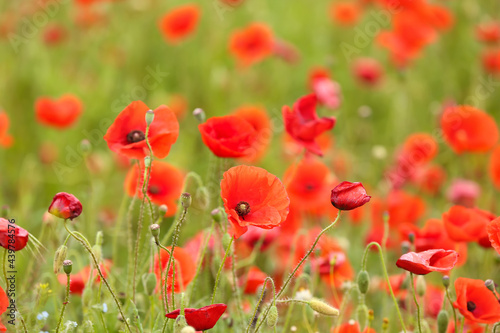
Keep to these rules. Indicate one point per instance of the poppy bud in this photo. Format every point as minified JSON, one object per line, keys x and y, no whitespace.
{"x":362,"y":314}
{"x":421,"y":286}
{"x":323,"y":308}
{"x":155,"y":230}
{"x":147,"y":162}
{"x":150,"y":116}
{"x":65,"y":206}
{"x":348,"y":196}
{"x":188,"y":329}
{"x":149,"y":283}
{"x":272,"y":317}
{"x":163,"y":209}
{"x":180,"y":323}
{"x":442,"y":320}
{"x":363,"y":282}
{"x":59,"y":257}
{"x":85,"y":146}
{"x":217,"y":215}
{"x":225,"y":240}
{"x":446,"y":281}
{"x":186,"y":200}
{"x":490,"y":284}
{"x":67,"y":266}
{"x":199,"y":114}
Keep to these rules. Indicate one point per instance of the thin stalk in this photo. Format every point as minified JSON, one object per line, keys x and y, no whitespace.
{"x":261,"y":298}
{"x":412,"y":288}
{"x":452,"y":309}
{"x":220,"y":269}
{"x":66,"y":301}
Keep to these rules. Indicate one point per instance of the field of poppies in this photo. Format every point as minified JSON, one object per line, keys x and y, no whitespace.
{"x":323,"y":166}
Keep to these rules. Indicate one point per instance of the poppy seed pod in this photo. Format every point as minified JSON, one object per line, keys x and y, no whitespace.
{"x":65,"y":206}
{"x":348,"y":196}
{"x":150,"y":116}
{"x":186,"y":200}
{"x":490,"y":284}
{"x":155,"y":230}
{"x":446,"y":281}
{"x":67,"y":266}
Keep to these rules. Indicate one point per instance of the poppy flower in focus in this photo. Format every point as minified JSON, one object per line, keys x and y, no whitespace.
{"x":229,"y":136}
{"x":494,"y":166}
{"x":252,"y":44}
{"x":423,"y":263}
{"x":348,"y":196}
{"x":126,"y":136}
{"x":164,"y":187}
{"x":467,"y":129}
{"x":185,"y":269}
{"x":79,"y":280}
{"x":255,"y":279}
{"x":304,"y":125}
{"x":258,"y":118}
{"x":203,"y":318}
{"x":368,"y":71}
{"x":464,"y":224}
{"x":345,"y":13}
{"x":4,"y":303}
{"x":59,"y":113}
{"x":493,"y":230}
{"x":19,"y":237}
{"x":179,"y":23}
{"x":6,"y":139}
{"x":253,"y":197}
{"x":476,"y":302}
{"x":65,"y":206}
{"x":488,"y":32}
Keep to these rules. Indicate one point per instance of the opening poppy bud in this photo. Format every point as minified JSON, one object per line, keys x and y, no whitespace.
{"x":362,"y":314}
{"x":442,"y":321}
{"x":225,"y":240}
{"x":323,"y":308}
{"x":217,"y":215}
{"x":150,"y":116}
{"x":85,"y":146}
{"x":363,"y":282}
{"x":149,"y":283}
{"x":348,"y":196}
{"x":421,"y":286}
{"x":186,"y":200}
{"x":67,"y":266}
{"x":163,"y":209}
{"x":272,"y":317}
{"x":147,"y":162}
{"x":65,"y":206}
{"x":99,"y":238}
{"x":490,"y":284}
{"x":446,"y":281}
{"x":188,"y":329}
{"x":59,"y":257}
{"x":180,"y":323}
{"x":203,"y":198}
{"x":199,"y":114}
{"x":155,"y":230}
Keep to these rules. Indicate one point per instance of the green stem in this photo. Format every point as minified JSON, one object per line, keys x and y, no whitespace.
{"x":386,"y":275}
{"x":494,"y":330}
{"x":96,"y":264}
{"x":236,"y":288}
{"x":228,"y":249}
{"x":290,"y":277}
{"x":66,"y":300}
{"x":452,"y":309}
{"x":261,"y":298}
{"x":412,"y":288}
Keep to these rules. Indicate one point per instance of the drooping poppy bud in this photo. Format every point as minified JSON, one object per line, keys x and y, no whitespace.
{"x":65,"y":206}
{"x":348,"y":196}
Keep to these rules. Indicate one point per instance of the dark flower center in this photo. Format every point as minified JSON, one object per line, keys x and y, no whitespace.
{"x":310,"y":187}
{"x":471,"y":306}
{"x":154,"y":189}
{"x":135,"y":136}
{"x":242,"y":208}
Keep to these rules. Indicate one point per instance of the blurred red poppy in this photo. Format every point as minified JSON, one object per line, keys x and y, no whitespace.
{"x":494,"y":166}
{"x":351,"y":327}
{"x":464,"y":224}
{"x":493,"y":230}
{"x":252,"y":44}
{"x":423,"y":263}
{"x":203,"y":318}
{"x":476,"y":302}
{"x":345,"y":13}
{"x":185,"y":269}
{"x":65,"y":206}
{"x":258,"y":118}
{"x":164,"y":187}
{"x":229,"y":136}
{"x":404,"y":208}
{"x":126,"y":136}
{"x":6,"y":139}
{"x":331,"y":262}
{"x":59,"y":113}
{"x":4,"y":303}
{"x":180,"y":22}
{"x":467,"y":129}
{"x":488,"y":32}
{"x":254,"y":279}
{"x":12,"y":236}
{"x":348,"y":196}
{"x":253,"y":197}
{"x":368,"y":71}
{"x":491,"y":61}
{"x":304,"y":125}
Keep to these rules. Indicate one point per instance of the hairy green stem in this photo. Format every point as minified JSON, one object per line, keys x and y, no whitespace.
{"x":66,"y":300}
{"x":412,"y":288}
{"x":228,"y":249}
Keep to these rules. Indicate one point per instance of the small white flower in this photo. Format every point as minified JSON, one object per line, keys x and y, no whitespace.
{"x":104,"y":307}
{"x":39,"y":316}
{"x":303,"y":295}
{"x":45,"y":314}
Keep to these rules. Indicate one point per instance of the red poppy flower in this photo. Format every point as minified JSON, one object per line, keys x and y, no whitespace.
{"x":348,"y":196}
{"x":493,"y":230}
{"x":59,"y":113}
{"x":18,"y":238}
{"x":180,"y":22}
{"x":368,"y":71}
{"x":351,"y":327}
{"x":404,"y":208}
{"x":430,"y":178}
{"x":252,"y":44}
{"x":126,"y":136}
{"x":345,"y":13}
{"x":258,"y":118}
{"x":488,"y":32}
{"x":467,"y":129}
{"x":4,"y":303}
{"x":185,"y":269}
{"x":494,"y":166}
{"x":78,"y":281}
{"x":253,"y":197}
{"x":423,"y":263}
{"x":304,"y":125}
{"x":464,"y":224}
{"x":203,"y":318}
{"x":164,"y":187}
{"x":476,"y":302}
{"x":228,"y":136}
{"x":6,"y":139}
{"x":491,"y":61}
{"x":65,"y":206}
{"x":255,"y":278}
{"x":54,"y":34}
